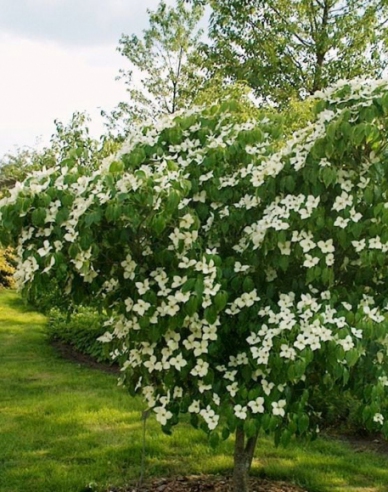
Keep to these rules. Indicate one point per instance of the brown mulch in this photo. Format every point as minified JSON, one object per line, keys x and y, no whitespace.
{"x":207,"y":483}
{"x":362,"y":442}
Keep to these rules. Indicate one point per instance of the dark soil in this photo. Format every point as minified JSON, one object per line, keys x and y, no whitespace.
{"x":362,"y":442}
{"x":207,"y":483}
{"x":70,"y":353}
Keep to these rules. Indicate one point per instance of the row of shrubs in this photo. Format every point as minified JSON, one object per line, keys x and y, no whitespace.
{"x":79,"y":329}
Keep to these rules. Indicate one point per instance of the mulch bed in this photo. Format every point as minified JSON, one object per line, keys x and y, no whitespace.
{"x":207,"y":483}
{"x":70,"y":353}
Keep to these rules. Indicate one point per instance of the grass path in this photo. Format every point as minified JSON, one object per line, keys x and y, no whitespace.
{"x":63,"y":426}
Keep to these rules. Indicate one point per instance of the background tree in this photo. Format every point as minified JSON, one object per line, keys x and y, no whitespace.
{"x":164,"y":59}
{"x":69,"y":141}
{"x":288,"y":48}
{"x":243,"y":273}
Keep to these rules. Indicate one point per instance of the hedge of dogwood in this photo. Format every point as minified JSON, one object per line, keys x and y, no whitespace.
{"x":241,"y":272}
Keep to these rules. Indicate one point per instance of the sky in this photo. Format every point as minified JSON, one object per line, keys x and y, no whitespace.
{"x":58,"y":57}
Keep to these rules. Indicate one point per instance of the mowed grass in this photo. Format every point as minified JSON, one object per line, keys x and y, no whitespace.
{"x":63,"y":426}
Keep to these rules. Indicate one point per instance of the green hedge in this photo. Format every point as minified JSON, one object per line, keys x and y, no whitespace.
{"x":80,"y":329}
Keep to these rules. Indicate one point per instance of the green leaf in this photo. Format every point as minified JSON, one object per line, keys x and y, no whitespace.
{"x":173,"y":201}
{"x":214,"y":439}
{"x":211,"y":315}
{"x":158,"y":224}
{"x":303,"y":423}
{"x":191,"y":306}
{"x":220,"y":300}
{"x":38,"y":217}
{"x":285,"y":438}
{"x":250,"y":428}
{"x":352,"y":357}
{"x":116,"y":167}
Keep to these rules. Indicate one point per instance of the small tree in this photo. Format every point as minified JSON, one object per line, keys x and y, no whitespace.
{"x":165,"y":60}
{"x":242,"y":275}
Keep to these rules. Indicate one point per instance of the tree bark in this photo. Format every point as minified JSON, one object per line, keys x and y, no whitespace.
{"x":243,"y":456}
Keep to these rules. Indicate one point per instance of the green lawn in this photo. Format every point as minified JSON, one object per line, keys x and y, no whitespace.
{"x":63,"y":426}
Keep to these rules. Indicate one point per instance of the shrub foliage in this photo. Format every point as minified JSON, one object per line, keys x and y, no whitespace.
{"x":242,"y":273}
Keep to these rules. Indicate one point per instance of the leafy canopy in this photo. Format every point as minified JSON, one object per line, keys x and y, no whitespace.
{"x":288,"y":48}
{"x":241,"y":273}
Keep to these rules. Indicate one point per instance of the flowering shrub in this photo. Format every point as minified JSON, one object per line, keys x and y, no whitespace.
{"x":241,"y":273}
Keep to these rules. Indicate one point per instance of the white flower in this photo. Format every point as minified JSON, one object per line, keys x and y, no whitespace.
{"x":253,"y":339}
{"x":70,"y":236}
{"x":210,"y":417}
{"x":178,"y":362}
{"x":310,"y":261}
{"x":342,"y":201}
{"x":178,"y":392}
{"x":201,"y":368}
{"x":285,"y":248}
{"x":202,"y":387}
{"x":129,"y":267}
{"x":326,"y":246}
{"x":200,"y":197}
{"x":384,"y":380}
{"x":194,"y":407}
{"x":341,"y":222}
{"x":307,"y":244}
{"x":162,"y":415}
{"x":238,"y":267}
{"x":232,"y":388}
{"x":355,"y":216}
{"x":186,"y":263}
{"x":330,"y":259}
{"x":278,"y":408}
{"x":287,"y":352}
{"x":356,"y":333}
{"x":143,"y":287}
{"x":240,"y":412}
{"x":257,"y":406}
{"x":359,"y":245}
{"x":141,"y":307}
{"x":267,"y":387}
{"x":230,"y":375}
{"x":375,"y":243}
{"x":178,"y":281}
{"x":378,"y":418}
{"x":186,"y":221}
{"x":45,"y":249}
{"x":346,"y":343}
{"x":128,"y":304}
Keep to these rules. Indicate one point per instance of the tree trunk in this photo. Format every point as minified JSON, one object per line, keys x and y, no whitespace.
{"x":243,"y":455}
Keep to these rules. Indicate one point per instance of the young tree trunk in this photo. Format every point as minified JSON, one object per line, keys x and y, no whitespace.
{"x":243,"y":455}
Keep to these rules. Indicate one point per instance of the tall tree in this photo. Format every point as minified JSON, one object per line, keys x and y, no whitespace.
{"x":288,"y":48}
{"x":164,"y":58}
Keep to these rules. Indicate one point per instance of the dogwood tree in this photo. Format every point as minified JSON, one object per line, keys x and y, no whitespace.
{"x":241,"y":273}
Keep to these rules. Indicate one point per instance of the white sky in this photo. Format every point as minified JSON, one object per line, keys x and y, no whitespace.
{"x":58,"y":57}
